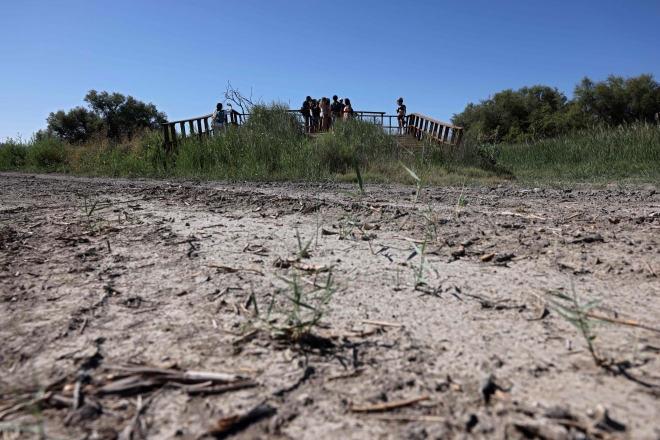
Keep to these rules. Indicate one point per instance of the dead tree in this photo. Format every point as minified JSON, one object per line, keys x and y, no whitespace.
{"x":245,"y":103}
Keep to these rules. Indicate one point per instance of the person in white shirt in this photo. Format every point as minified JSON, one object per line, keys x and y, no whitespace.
{"x":220,"y":117}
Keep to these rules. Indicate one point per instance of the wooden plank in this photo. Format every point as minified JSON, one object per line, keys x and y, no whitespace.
{"x":460,"y":137}
{"x":444,"y":139}
{"x":439,"y":122}
{"x":189,"y":119}
{"x":173,"y":133}
{"x":166,"y":135}
{"x":183,"y":130}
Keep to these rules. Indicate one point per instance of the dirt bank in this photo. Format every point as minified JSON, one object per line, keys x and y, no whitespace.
{"x":166,"y":275}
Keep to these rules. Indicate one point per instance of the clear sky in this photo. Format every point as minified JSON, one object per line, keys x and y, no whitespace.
{"x":437,"y":55}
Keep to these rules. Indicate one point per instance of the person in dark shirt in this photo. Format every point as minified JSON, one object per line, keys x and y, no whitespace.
{"x":306,"y":111}
{"x":316,"y":115}
{"x":335,"y":109}
{"x":401,"y":115}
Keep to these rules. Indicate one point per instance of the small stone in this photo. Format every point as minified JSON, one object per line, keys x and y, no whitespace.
{"x":471,"y":421}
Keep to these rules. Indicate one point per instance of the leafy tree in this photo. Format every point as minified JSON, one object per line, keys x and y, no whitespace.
{"x":515,"y":116}
{"x":536,"y":112}
{"x":77,"y":125}
{"x":115,"y":113}
{"x":616,"y":100}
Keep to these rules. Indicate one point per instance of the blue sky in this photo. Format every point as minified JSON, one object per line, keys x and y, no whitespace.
{"x":438,"y":55}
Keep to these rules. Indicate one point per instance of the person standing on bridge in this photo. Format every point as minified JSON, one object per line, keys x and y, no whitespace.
{"x":325,"y":113}
{"x":335,"y":109}
{"x":306,"y":111}
{"x":401,"y":115}
{"x":347,"y":111}
{"x":220,"y":118}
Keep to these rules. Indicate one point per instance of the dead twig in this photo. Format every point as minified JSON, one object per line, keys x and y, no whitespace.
{"x":390,"y":405}
{"x":381,"y":323}
{"x":241,"y":421}
{"x":228,"y":269}
{"x":410,"y":418}
{"x":653,"y":274}
{"x":355,"y":373}
{"x":127,"y":432}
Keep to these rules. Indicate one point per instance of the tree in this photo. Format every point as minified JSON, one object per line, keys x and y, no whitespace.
{"x":75,"y":126}
{"x":515,"y":116}
{"x":616,"y":100}
{"x":118,"y":115}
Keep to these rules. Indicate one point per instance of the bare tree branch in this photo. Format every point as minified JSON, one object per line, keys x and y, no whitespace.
{"x":245,"y":103}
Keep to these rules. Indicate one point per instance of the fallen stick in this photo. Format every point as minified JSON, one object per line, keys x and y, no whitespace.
{"x":573,"y":216}
{"x":607,"y":318}
{"x":345,"y":375}
{"x":390,"y":405}
{"x":82,"y":327}
{"x":381,"y":323}
{"x":410,"y":418}
{"x":234,"y":269}
{"x":217,"y":389}
{"x":240,"y":421}
{"x":412,"y":240}
{"x":621,"y":321}
{"x":127,"y":432}
{"x":653,"y":274}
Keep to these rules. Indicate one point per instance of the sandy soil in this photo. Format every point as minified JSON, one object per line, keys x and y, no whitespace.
{"x":164,"y":282}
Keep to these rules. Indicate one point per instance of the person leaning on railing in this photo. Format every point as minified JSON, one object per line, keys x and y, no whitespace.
{"x":220,"y":117}
{"x":306,"y":111}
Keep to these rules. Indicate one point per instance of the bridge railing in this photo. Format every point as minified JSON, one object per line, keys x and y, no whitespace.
{"x":422,"y":127}
{"x":200,"y":126}
{"x":419,"y":126}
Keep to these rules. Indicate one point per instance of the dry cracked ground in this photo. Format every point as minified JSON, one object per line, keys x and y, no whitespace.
{"x":166,"y":309}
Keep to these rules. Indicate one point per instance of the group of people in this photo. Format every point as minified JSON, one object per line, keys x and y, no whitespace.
{"x":319,"y":113}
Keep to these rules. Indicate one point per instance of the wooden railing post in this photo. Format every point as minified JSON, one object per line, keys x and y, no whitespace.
{"x":200,"y":133}
{"x":166,"y":135}
{"x":460,"y":137}
{"x":183,"y":130}
{"x":172,"y":129}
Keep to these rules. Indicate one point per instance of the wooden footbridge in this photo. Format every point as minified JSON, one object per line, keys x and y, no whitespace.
{"x":418,"y":129}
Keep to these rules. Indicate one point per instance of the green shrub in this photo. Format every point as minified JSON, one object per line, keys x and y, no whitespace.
{"x":12,"y":155}
{"x":48,"y":154}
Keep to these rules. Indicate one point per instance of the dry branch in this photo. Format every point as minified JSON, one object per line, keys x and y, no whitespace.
{"x":390,"y":405}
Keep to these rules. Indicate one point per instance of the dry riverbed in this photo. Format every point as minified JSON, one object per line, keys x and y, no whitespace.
{"x":135,"y":317}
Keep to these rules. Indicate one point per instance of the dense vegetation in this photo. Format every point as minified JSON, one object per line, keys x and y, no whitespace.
{"x":533,"y":113}
{"x":270,"y":146}
{"x":111,"y":114}
{"x":535,"y":134}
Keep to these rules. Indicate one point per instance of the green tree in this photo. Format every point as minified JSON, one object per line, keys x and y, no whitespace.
{"x":76,"y":125}
{"x":615,"y":101}
{"x":114,"y":113}
{"x":515,"y":116}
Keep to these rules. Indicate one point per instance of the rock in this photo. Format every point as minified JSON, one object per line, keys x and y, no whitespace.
{"x":541,"y":430}
{"x":559,"y":412}
{"x":471,"y":421}
{"x":487,"y":387}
